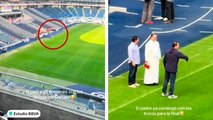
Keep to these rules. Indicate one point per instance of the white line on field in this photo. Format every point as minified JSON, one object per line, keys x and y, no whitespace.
{"x":159,"y":32}
{"x":206,"y":20}
{"x":136,"y":26}
{"x":206,"y":32}
{"x":156,"y":2}
{"x":133,"y":100}
{"x":185,"y":6}
{"x":131,"y":13}
{"x":153,"y":28}
{"x":120,"y":76}
{"x":182,"y":30}
{"x":206,"y":7}
{"x":127,"y":58}
{"x":170,"y":31}
{"x":155,"y":16}
{"x":180,"y":18}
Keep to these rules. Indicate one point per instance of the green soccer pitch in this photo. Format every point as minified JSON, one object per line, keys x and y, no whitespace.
{"x":193,"y":86}
{"x":78,"y":61}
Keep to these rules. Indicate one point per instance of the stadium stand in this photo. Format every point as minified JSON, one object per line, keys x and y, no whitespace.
{"x":79,"y":12}
{"x":87,"y":12}
{"x":73,"y":11}
{"x":6,"y":39}
{"x":38,"y":20}
{"x":101,"y":13}
{"x":56,"y":95}
{"x":16,"y":31}
{"x":94,"y":12}
{"x":26,"y":27}
{"x":28,"y":23}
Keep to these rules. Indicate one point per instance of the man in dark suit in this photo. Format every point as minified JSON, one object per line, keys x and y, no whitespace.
{"x":170,"y":63}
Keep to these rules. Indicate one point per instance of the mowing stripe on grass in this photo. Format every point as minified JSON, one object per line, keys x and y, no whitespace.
{"x":210,"y":48}
{"x":194,"y":56}
{"x":94,"y":36}
{"x":194,"y":72}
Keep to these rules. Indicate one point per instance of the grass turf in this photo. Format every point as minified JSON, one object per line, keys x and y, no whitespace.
{"x":95,"y":36}
{"x":193,"y":87}
{"x":77,"y":61}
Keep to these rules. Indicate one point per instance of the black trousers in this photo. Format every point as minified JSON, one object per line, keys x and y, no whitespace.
{"x":170,"y":10}
{"x":172,"y":78}
{"x":132,"y":74}
{"x":163,"y":8}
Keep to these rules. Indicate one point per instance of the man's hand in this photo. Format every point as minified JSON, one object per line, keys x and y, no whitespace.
{"x":146,"y":62}
{"x":133,"y":64}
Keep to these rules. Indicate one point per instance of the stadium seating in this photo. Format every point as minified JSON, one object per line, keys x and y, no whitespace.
{"x":94,"y":12}
{"x":39,"y":20}
{"x":39,"y":13}
{"x":90,"y":13}
{"x":21,"y":29}
{"x":101,"y":13}
{"x":66,"y":10}
{"x":80,"y":12}
{"x":73,"y":11}
{"x":16,"y":31}
{"x":6,"y":39}
{"x":27,"y":27}
{"x":87,"y":12}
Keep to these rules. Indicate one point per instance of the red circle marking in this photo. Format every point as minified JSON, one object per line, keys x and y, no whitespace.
{"x":55,"y":48}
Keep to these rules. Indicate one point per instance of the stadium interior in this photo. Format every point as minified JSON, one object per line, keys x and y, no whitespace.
{"x":19,"y":24}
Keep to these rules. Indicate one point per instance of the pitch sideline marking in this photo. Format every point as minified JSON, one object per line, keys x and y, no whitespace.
{"x":206,"y":7}
{"x":127,"y":58}
{"x":178,"y":29}
{"x":206,"y":32}
{"x":183,"y":6}
{"x":170,"y":31}
{"x":121,"y":106}
{"x":137,"y":26}
{"x":155,"y":28}
{"x":206,"y":20}
{"x":180,"y":18}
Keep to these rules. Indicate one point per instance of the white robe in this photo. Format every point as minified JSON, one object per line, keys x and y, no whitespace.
{"x":152,"y":56}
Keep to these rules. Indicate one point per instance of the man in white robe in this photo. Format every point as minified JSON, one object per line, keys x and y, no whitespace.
{"x":152,"y":60}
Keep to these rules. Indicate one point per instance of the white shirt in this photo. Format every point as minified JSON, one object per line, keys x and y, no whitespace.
{"x":134,"y":53}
